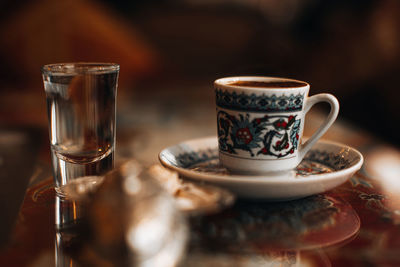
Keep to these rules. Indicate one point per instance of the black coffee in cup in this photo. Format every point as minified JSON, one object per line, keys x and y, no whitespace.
{"x":269,"y":84}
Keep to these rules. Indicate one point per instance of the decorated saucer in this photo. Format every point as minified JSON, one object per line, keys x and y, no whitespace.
{"x":326,"y":165}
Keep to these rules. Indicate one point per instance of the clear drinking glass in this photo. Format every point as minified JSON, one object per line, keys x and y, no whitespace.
{"x":81,"y":106}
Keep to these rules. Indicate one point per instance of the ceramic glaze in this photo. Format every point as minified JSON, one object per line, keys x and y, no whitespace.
{"x":325,"y":166}
{"x":260,"y":128}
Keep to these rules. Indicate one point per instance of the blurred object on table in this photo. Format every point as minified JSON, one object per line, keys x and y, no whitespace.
{"x":134,"y":222}
{"x":192,"y":198}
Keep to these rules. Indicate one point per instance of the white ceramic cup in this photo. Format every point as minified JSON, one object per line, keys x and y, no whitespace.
{"x":261,"y":120}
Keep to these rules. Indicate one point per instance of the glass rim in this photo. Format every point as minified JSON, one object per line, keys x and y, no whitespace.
{"x":80,"y":68}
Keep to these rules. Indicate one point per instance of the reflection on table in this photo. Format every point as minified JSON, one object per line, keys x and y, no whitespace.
{"x":352,"y":225}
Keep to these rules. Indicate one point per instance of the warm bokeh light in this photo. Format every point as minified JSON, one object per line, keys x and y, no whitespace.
{"x":383,"y":165}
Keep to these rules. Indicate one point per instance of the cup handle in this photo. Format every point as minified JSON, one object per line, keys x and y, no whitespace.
{"x":311,"y":101}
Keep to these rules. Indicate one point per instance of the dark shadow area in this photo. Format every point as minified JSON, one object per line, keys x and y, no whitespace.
{"x":16,"y":145}
{"x":347,"y":48}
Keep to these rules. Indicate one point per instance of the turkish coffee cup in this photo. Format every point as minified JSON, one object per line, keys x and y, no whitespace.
{"x":261,"y":121}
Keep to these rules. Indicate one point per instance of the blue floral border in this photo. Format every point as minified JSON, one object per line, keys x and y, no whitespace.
{"x":329,"y":159}
{"x":259,"y":103}
{"x":188,"y":159}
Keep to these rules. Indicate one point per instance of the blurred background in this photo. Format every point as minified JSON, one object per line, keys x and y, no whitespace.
{"x":172,"y":49}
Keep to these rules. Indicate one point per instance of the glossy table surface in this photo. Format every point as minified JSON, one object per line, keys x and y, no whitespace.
{"x":355,"y":224}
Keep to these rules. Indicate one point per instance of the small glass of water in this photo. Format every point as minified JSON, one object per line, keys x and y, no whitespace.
{"x":81,"y":106}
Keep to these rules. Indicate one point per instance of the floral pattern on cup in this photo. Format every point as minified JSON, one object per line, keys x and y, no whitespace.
{"x":260,"y":122}
{"x":276,"y":136}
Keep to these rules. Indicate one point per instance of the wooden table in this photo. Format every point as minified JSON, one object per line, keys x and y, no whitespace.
{"x":356,"y":224}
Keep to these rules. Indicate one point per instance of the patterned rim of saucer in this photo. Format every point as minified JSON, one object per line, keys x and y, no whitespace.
{"x":326,"y":165}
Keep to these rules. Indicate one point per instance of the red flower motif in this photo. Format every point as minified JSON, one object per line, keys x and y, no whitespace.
{"x":297,"y":136}
{"x":291,"y":117}
{"x":280,"y":124}
{"x":245,"y":135}
{"x":291,"y":151}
